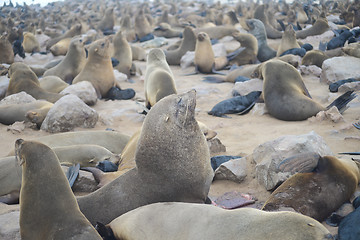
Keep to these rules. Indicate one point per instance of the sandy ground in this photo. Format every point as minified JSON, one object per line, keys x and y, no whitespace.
{"x":240,"y":134}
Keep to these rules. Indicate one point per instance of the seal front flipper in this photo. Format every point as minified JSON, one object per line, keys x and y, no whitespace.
{"x":72,"y":174}
{"x":303,"y":162}
{"x":213,"y":70}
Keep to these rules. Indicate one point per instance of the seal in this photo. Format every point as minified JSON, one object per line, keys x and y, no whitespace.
{"x":98,"y":69}
{"x":163,"y":172}
{"x":106,"y":25}
{"x":7,"y":54}
{"x":320,"y":26}
{"x":203,"y":221}
{"x":72,"y":64}
{"x":34,"y":112}
{"x":10,"y":178}
{"x":159,"y":79}
{"x":249,"y":54}
{"x":348,"y":226}
{"x":271,"y":32}
{"x":44,"y":196}
{"x":138,"y":53}
{"x":53,"y":84}
{"x":216,"y":32}
{"x":285,"y":94}
{"x":314,"y":57}
{"x":122,"y":52}
{"x":165,"y":30}
{"x":352,"y":49}
{"x":333,"y":180}
{"x":61,"y":47}
{"x":30,"y":43}
{"x":257,"y":28}
{"x":288,"y":41}
{"x":187,"y":44}
{"x":72,"y":32}
{"x":205,"y":61}
{"x":142,"y":25}
{"x":22,"y":78}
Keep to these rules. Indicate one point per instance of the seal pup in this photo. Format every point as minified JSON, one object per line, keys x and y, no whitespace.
{"x":122,"y":52}
{"x":159,"y":79}
{"x":317,"y":193}
{"x":30,"y":43}
{"x":6,"y":50}
{"x":257,"y":28}
{"x":72,"y":64}
{"x":320,"y":26}
{"x":288,"y":41}
{"x":249,"y":54}
{"x":48,"y":208}
{"x":200,"y":221}
{"x":163,"y":172}
{"x":314,"y":57}
{"x":348,"y":227}
{"x":98,"y":69}
{"x":285,"y":94}
{"x":22,"y":78}
{"x":205,"y":61}
{"x":187,"y":44}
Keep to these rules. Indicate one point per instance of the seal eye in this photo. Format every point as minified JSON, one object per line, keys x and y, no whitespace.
{"x":103,"y":44}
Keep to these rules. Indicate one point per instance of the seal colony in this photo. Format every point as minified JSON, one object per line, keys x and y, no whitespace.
{"x":167,"y":159}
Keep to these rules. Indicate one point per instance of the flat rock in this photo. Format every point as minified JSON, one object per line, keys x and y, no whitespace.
{"x":310,"y":70}
{"x":338,"y":68}
{"x":353,"y":86}
{"x":10,"y":227}
{"x":84,"y":90}
{"x":67,"y":113}
{"x":232,"y":170}
{"x":268,"y":156}
{"x":244,"y":88}
{"x":18,"y":98}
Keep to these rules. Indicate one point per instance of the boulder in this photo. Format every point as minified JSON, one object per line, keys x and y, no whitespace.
{"x":338,"y":68}
{"x":232,"y":170}
{"x":84,"y":90}
{"x":244,"y":88}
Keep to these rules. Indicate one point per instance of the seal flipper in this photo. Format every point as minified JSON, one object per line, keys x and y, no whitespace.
{"x":193,"y":73}
{"x":341,"y":102}
{"x":72,"y":174}
{"x":213,"y":70}
{"x":235,"y":53}
{"x":350,"y":153}
{"x":303,"y":162}
{"x":322,"y":46}
{"x":212,"y":79}
{"x":281,"y":24}
{"x":105,"y":232}
{"x":107,"y":166}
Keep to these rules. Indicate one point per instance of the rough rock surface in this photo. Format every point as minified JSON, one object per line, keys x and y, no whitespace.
{"x":339,"y":68}
{"x":18,"y":98}
{"x":233,"y":170}
{"x":244,"y":88}
{"x":84,"y":90}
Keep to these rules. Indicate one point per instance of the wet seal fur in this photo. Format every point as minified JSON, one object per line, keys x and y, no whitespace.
{"x":209,"y":222}
{"x":48,"y":208}
{"x":318,"y":193}
{"x":159,"y":79}
{"x":164,"y":171}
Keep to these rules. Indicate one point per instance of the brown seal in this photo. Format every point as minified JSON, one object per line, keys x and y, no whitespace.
{"x":257,"y":28}
{"x":122,"y":52}
{"x":202,"y":221}
{"x":249,"y":54}
{"x":22,"y":78}
{"x":187,"y":44}
{"x":288,"y":41}
{"x":138,"y":53}
{"x":205,"y":61}
{"x":108,"y":21}
{"x":320,"y":26}
{"x":43,"y":198}
{"x":271,"y":32}
{"x":320,"y":192}
{"x":98,"y":69}
{"x":159,"y":79}
{"x":216,"y":32}
{"x":53,"y":84}
{"x":7,"y":53}
{"x":72,"y":64}
{"x":142,"y":25}
{"x":314,"y":57}
{"x":61,"y":47}
{"x":72,"y":32}
{"x":165,"y":30}
{"x":30,"y":43}
{"x":164,"y":172}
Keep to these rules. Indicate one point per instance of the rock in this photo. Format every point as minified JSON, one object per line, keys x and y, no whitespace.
{"x":10,"y":227}
{"x":16,"y":127}
{"x":259,"y":109}
{"x":333,"y":18}
{"x":216,"y":161}
{"x":187,"y":59}
{"x":332,"y":114}
{"x":338,"y":68}
{"x":233,"y":170}
{"x":219,"y":50}
{"x":244,"y":88}
{"x":84,"y":90}
{"x":355,"y":86}
{"x":310,"y":70}
{"x":268,"y":156}
{"x":4,"y":84}
{"x":67,"y":113}
{"x":215,"y":146}
{"x":18,"y":98}
{"x":85,"y":183}
{"x":119,"y":76}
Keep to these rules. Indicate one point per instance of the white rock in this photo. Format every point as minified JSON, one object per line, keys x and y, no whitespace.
{"x":267,"y":156}
{"x":339,"y":68}
{"x":84,"y":90}
{"x":350,"y":86}
{"x":18,"y":98}
{"x":311,"y":69}
{"x":244,"y":88}
{"x":232,"y":170}
{"x":187,"y":59}
{"x":219,"y":50}
{"x":67,"y":113}
{"x":259,"y":109}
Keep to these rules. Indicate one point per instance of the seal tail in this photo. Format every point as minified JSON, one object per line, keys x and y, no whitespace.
{"x":341,"y":102}
{"x":72,"y":174}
